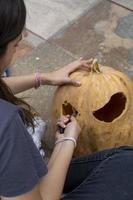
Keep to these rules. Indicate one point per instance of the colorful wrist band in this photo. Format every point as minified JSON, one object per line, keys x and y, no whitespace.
{"x":38,"y":80}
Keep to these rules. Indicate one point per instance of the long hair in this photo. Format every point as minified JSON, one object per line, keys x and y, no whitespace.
{"x":12,"y":22}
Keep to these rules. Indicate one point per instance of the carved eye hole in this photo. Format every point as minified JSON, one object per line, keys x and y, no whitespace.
{"x":68,"y":109}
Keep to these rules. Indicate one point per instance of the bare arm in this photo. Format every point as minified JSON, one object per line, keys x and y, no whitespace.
{"x":22,"y":83}
{"x":51,"y":185}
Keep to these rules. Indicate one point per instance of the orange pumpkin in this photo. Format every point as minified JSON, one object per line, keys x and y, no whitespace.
{"x":103,"y":106}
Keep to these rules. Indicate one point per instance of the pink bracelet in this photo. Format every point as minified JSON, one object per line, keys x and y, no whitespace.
{"x":38,"y":80}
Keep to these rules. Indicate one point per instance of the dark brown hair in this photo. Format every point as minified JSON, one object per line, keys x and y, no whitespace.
{"x":12,"y":22}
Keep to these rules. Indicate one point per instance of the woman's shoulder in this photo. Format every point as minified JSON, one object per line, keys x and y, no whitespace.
{"x":7,"y":112}
{"x":7,"y":107}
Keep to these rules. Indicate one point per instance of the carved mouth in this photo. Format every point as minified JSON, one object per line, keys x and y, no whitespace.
{"x":113,"y":109}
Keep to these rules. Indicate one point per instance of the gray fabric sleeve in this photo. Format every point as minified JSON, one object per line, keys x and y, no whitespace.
{"x":21,"y":165}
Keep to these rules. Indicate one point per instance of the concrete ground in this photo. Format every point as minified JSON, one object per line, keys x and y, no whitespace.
{"x":61,"y":31}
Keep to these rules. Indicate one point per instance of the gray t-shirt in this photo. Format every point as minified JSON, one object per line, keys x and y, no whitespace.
{"x":21,"y":165}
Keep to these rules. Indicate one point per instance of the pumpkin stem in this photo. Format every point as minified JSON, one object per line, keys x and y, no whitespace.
{"x":95,"y":66}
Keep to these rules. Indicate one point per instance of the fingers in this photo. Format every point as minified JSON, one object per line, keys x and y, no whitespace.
{"x":78,"y":64}
{"x":66,"y":71}
{"x":85,"y":67}
{"x":88,"y":61}
{"x":63,"y":121}
{"x":85,"y":64}
{"x":69,"y":81}
{"x":61,"y":124}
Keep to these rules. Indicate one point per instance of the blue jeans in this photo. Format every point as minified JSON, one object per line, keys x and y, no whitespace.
{"x":105,"y":175}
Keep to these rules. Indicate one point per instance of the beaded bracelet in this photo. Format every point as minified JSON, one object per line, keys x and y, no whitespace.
{"x":66,"y":139}
{"x":38,"y":80}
